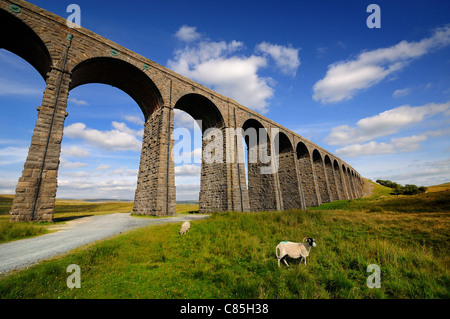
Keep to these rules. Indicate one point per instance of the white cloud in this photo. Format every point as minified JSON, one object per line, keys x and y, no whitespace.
{"x":74,"y":151}
{"x":223,"y":67}
{"x":125,"y":172}
{"x":78,"y":102}
{"x":135,"y":119}
{"x":103,"y":167}
{"x":187,"y":34}
{"x":13,"y":155}
{"x":210,"y":63}
{"x":286,"y":58}
{"x":420,"y":173}
{"x":86,"y":188}
{"x":440,"y":132}
{"x":184,"y":120}
{"x":345,"y":78}
{"x":122,"y":127}
{"x":188,"y":191}
{"x":187,"y":170}
{"x":10,"y":87}
{"x":395,"y":145}
{"x":401,"y":92}
{"x":188,"y":157}
{"x":121,"y":138}
{"x":385,"y":123}
{"x":7,"y":186}
{"x":68,"y":164}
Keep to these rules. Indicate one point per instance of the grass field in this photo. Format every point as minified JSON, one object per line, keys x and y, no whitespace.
{"x":232,"y":255}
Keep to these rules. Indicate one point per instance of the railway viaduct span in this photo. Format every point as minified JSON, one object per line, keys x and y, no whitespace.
{"x":66,"y":58}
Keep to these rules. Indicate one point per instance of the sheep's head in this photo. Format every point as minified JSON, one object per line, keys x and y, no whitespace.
{"x":310,"y":241}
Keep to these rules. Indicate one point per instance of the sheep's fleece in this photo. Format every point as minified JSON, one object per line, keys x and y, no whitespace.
{"x":185,"y":228}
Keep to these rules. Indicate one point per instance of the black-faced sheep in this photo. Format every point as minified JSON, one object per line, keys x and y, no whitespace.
{"x":294,"y":250}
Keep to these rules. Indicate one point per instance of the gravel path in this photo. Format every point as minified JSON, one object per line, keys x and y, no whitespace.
{"x":22,"y":253}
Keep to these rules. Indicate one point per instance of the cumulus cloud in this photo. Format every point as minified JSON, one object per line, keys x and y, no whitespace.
{"x":188,"y":191}
{"x":395,"y":145}
{"x":184,"y":120}
{"x":87,"y":188}
{"x":385,"y":123}
{"x":184,"y":156}
{"x":121,"y":138}
{"x":345,"y":78}
{"x":401,"y":92}
{"x":13,"y":155}
{"x":103,"y":167}
{"x":187,"y":34}
{"x":421,"y":173}
{"x":78,"y":102}
{"x":103,"y":181}
{"x":222,"y":66}
{"x":74,"y":151}
{"x":135,"y":119}
{"x":7,"y":186}
{"x":210,"y":63}
{"x":187,"y":170}
{"x":68,"y":164}
{"x":9,"y":87}
{"x":286,"y":58}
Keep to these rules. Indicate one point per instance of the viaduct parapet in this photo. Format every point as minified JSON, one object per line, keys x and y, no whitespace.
{"x":308,"y":175}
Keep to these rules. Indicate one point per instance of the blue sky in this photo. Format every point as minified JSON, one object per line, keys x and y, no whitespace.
{"x":377,"y":98}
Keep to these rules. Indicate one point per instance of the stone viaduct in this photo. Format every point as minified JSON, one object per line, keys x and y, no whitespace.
{"x":308,"y":175}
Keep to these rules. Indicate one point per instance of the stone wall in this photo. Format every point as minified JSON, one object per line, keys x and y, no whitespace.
{"x":155,"y":191}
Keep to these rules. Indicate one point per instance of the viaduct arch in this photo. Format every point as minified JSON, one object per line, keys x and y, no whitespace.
{"x":66,"y":58}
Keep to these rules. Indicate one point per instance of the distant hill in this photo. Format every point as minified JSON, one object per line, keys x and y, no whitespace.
{"x":188,"y":202}
{"x":438,"y":188}
{"x":371,"y":188}
{"x":96,"y":200}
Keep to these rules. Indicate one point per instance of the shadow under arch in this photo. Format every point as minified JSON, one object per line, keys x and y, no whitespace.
{"x":339,"y":182}
{"x":321,"y":179}
{"x":122,"y":75}
{"x":332,"y":184}
{"x":201,"y":109}
{"x":18,"y":38}
{"x":306,"y":175}
{"x":348,"y":178}
{"x":213,"y":177}
{"x":290,"y":193}
{"x":263,"y":190}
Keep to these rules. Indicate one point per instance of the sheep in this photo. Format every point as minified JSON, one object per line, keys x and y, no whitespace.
{"x":185,"y":228}
{"x":294,"y":250}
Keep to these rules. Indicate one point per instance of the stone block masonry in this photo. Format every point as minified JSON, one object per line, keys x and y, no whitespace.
{"x":308,"y":175}
{"x":155,"y":191}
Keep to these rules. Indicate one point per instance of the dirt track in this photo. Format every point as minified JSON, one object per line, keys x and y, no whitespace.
{"x":22,"y":253}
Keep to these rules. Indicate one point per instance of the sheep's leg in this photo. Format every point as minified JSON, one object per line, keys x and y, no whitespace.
{"x":278,"y":262}
{"x":305,"y":261}
{"x":285,"y":262}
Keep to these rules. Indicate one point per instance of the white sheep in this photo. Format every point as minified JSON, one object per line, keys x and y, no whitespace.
{"x":185,"y":228}
{"x":294,"y":250}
